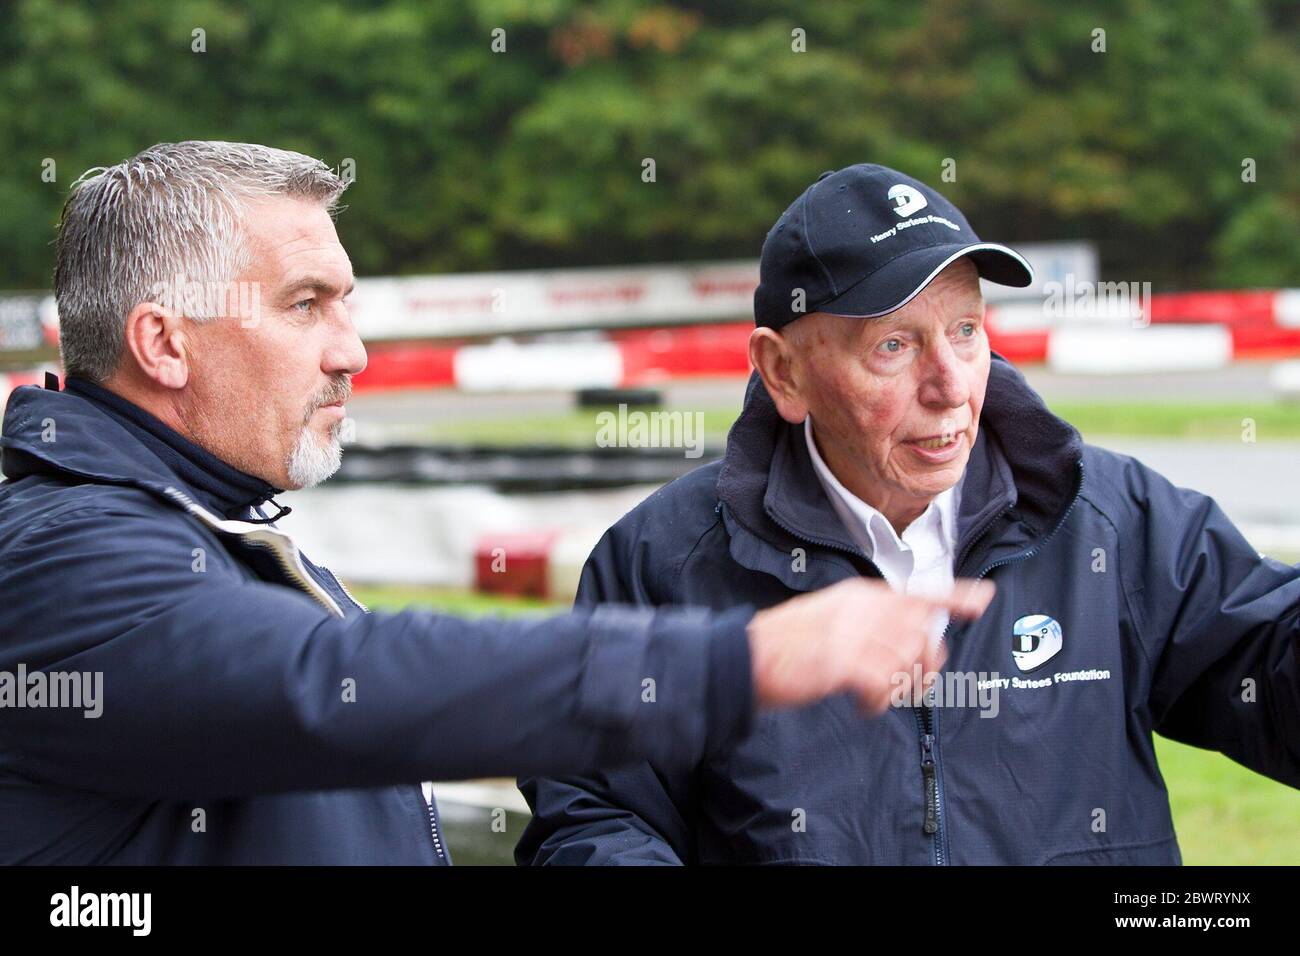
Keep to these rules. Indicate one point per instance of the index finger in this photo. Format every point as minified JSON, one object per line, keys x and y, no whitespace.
{"x":969,"y":597}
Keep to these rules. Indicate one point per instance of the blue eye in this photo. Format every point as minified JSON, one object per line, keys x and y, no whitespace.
{"x":892,"y":345}
{"x":306,"y":302}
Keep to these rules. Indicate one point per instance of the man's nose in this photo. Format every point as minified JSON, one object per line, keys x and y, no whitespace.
{"x":943,"y":383}
{"x":346,"y":353}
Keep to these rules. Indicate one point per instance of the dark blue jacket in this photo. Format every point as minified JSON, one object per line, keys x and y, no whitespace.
{"x":227,"y":661}
{"x":1151,"y":585}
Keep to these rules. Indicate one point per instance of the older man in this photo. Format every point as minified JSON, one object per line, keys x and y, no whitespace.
{"x":179,"y":684}
{"x":880,"y":438}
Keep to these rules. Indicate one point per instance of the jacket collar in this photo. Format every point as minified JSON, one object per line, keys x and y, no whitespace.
{"x":773,"y":504}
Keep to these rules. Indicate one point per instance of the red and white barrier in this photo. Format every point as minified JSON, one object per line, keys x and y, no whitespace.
{"x":618,"y":360}
{"x":1186,"y":331}
{"x":1192,"y":330}
{"x":1251,"y":324}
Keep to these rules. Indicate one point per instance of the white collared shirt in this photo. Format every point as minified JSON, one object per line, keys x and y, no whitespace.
{"x":918,"y":562}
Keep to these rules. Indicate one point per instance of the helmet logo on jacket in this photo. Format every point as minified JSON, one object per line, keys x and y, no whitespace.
{"x":1035,"y":640}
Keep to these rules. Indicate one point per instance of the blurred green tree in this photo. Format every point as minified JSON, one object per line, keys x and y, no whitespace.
{"x":469,"y":157}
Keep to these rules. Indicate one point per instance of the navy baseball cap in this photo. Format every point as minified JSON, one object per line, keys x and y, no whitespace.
{"x":865,"y":240}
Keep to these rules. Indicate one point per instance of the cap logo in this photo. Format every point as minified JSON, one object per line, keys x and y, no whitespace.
{"x":907,"y":199}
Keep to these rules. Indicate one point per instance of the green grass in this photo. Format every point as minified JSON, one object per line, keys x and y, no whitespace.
{"x":1211,"y":421}
{"x":394,"y":597}
{"x":1217,"y":421}
{"x":1224,"y":813}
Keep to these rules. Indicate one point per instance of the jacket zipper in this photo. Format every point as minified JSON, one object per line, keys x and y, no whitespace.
{"x":931,"y":781}
{"x":344,"y":588}
{"x":927,"y":723}
{"x":930,"y":731}
{"x":926,"y":719}
{"x":433,"y":827}
{"x":931,"y":825}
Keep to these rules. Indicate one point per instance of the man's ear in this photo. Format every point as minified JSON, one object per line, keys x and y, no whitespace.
{"x":773,"y":357}
{"x":155,"y":340}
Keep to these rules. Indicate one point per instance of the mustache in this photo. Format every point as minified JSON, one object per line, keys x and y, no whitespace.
{"x":338,"y":390}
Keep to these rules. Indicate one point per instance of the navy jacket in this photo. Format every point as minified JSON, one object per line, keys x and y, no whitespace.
{"x":251,"y":711}
{"x":1152,"y":586}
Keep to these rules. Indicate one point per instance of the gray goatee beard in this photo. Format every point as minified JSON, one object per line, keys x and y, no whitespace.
{"x":311,"y":461}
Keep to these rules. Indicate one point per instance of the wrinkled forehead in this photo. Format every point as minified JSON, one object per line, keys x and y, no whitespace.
{"x":287,"y":237}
